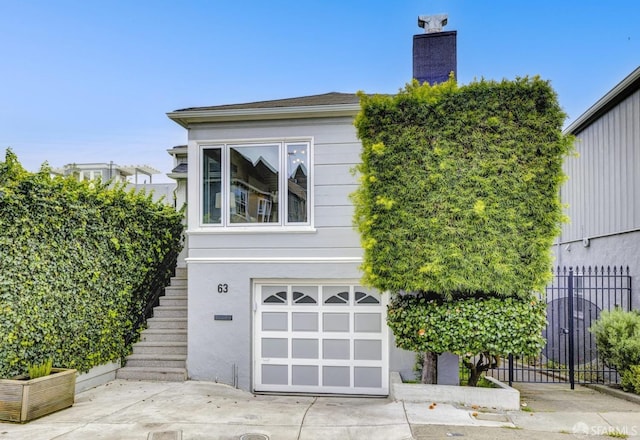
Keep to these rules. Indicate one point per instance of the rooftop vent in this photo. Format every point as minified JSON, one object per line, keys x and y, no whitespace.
{"x":432,"y":23}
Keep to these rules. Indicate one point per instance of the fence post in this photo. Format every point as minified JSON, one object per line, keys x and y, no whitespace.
{"x":571,"y":330}
{"x":510,"y":370}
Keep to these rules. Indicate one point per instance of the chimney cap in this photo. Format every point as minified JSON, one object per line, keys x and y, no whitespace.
{"x":432,"y":23}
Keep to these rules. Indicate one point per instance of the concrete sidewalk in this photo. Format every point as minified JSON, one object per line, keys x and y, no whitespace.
{"x":202,"y":410}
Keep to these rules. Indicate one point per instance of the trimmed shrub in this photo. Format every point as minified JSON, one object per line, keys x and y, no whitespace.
{"x":459,"y":203}
{"x":467,"y":327}
{"x":74,"y":259}
{"x":631,"y":379}
{"x":618,"y":338}
{"x":459,"y":187}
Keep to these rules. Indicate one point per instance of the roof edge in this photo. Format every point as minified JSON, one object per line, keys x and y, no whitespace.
{"x":186,"y":117}
{"x":616,"y":95}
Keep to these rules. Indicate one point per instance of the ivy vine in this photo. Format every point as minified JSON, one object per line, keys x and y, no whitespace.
{"x":73,"y":257}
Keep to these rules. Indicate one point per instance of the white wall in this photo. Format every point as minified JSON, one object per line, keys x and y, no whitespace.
{"x":329,"y":250}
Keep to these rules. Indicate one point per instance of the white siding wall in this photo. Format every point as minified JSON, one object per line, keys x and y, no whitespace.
{"x":217,"y":348}
{"x":603,"y":190}
{"x":336,"y":150}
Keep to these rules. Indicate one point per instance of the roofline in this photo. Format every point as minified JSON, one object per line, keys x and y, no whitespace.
{"x":616,"y":95}
{"x":187,"y":117}
{"x":178,"y":149}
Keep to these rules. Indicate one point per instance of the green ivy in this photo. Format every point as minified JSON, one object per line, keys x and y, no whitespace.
{"x":459,"y":203}
{"x":459,"y":187}
{"x":499,"y":326}
{"x":73,"y":260}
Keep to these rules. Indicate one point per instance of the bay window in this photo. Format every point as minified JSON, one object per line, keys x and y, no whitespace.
{"x":256,"y":184}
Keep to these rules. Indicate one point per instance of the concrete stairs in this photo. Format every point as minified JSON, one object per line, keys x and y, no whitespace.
{"x":161,"y":353}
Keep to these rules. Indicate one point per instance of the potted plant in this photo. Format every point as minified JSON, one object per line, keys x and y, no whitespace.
{"x":43,"y":390}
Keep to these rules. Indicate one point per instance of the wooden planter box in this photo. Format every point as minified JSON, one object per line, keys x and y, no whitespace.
{"x":23,"y":399}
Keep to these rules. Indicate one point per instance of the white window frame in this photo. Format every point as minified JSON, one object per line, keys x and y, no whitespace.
{"x":225,"y":156}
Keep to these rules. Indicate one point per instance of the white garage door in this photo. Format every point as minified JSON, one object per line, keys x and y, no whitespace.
{"x":320,"y":338}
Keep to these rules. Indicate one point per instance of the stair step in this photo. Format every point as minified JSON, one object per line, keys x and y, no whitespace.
{"x":178,"y":282}
{"x":170,"y":312}
{"x":166,"y":323}
{"x":174,"y":300}
{"x":157,"y":360}
{"x":153,"y":374}
{"x":175,"y":291}
{"x":163,"y":335}
{"x":160,"y":348}
{"x":181,"y":272}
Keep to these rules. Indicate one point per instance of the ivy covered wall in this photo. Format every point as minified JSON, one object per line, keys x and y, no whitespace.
{"x":73,"y":260}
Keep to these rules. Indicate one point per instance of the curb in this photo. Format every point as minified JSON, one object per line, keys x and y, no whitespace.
{"x":630,"y":397}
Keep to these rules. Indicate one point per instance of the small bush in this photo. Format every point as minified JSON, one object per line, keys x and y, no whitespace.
{"x":631,"y":379}
{"x":618,"y":338}
{"x":40,"y":370}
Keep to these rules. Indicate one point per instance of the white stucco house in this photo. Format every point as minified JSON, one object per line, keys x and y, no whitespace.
{"x":275,"y":301}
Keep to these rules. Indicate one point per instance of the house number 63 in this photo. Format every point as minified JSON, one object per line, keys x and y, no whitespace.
{"x":223,"y":288}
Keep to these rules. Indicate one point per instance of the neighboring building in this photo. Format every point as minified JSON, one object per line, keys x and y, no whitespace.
{"x":603,"y":189}
{"x":107,"y":172}
{"x":131,"y":174}
{"x":179,"y":174}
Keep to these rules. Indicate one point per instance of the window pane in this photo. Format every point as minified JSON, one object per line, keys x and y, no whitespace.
{"x":254,"y":175}
{"x":297,"y":189}
{"x":211,"y":188}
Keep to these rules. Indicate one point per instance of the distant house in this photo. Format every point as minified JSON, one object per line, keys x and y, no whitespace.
{"x":603,"y":190}
{"x":139,"y":177}
{"x":179,"y":173}
{"x":108,"y":171}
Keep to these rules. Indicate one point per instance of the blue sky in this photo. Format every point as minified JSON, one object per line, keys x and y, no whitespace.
{"x":91,"y":81}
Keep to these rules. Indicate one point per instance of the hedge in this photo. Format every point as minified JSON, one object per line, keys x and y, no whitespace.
{"x":74,"y":257}
{"x":499,"y":326}
{"x":459,"y":189}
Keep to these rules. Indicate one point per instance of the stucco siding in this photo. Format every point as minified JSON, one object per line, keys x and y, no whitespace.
{"x":208,"y":338}
{"x":612,"y":251}
{"x":603,"y":190}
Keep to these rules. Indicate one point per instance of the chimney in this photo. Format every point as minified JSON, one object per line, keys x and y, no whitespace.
{"x":434,"y":52}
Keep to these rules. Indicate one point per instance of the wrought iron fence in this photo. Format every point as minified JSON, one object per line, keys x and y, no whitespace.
{"x":151,"y":289}
{"x":575,"y":299}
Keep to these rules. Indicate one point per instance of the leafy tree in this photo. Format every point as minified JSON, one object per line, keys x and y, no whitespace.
{"x":458,"y":202}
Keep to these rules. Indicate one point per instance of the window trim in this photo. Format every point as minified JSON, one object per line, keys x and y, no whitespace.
{"x":225,"y":156}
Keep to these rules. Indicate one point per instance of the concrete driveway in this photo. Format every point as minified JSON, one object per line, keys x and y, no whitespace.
{"x":202,"y":410}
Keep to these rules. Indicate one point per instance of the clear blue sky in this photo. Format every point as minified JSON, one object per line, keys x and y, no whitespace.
{"x":91,"y":81}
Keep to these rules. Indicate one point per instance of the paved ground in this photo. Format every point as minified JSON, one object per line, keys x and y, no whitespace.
{"x":126,"y":410}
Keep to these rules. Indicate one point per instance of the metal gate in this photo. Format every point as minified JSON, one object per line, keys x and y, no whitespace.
{"x":575,"y":300}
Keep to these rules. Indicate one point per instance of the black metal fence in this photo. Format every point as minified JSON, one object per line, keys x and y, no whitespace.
{"x":575,"y":300}
{"x":150,"y":291}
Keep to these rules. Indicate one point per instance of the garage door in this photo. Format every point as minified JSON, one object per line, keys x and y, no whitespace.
{"x":320,"y":338}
